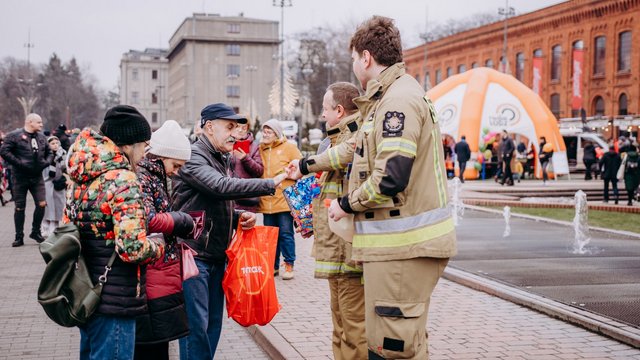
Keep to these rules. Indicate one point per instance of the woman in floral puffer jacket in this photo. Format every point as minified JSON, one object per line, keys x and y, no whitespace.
{"x":166,"y":318}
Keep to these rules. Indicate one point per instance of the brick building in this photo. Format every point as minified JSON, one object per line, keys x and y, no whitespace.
{"x":579,"y":54}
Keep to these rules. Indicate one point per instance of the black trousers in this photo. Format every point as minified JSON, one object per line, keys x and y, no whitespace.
{"x":507,"y":175}
{"x":614,"y":185}
{"x":23,"y":185}
{"x":463,"y":166}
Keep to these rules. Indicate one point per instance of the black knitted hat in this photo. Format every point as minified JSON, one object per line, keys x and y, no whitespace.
{"x":124,"y":125}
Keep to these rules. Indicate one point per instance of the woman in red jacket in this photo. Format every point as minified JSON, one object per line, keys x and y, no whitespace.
{"x":166,"y":318}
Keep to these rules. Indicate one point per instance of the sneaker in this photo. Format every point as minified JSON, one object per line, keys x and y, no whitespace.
{"x":37,"y":236}
{"x":288,"y":272}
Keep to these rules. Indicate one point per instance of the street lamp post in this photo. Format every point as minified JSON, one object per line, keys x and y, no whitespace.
{"x":282,"y":4}
{"x":251,"y":69}
{"x":506,"y":12}
{"x":329,"y":66}
{"x":306,"y":72}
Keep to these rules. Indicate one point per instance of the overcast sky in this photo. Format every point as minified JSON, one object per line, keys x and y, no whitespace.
{"x":98,"y":32}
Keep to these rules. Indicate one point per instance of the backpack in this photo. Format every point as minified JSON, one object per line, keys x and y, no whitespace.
{"x":66,"y":291}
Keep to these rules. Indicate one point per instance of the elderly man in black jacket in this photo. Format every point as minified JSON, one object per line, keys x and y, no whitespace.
{"x":203,"y":183}
{"x":28,"y":153}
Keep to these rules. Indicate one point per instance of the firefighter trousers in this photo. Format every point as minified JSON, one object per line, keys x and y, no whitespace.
{"x":347,"y":313}
{"x":397,"y":296}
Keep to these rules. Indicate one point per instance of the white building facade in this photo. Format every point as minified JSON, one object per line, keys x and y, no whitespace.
{"x":214,"y":59}
{"x":144,"y":83}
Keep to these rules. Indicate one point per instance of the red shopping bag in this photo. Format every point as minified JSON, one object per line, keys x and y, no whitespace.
{"x":248,"y":283}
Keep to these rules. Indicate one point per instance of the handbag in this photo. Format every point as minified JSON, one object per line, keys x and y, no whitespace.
{"x":620,"y":173}
{"x":66,"y":291}
{"x":59,"y":183}
{"x":189,"y":267}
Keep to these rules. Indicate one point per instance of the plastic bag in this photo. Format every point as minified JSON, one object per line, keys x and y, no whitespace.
{"x":248,"y":283}
{"x":189,"y":267}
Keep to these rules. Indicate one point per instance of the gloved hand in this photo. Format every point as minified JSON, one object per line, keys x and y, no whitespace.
{"x":52,"y":174}
{"x":183,"y":224}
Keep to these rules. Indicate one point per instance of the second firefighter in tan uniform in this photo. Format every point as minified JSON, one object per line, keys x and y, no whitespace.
{"x":404,"y":234}
{"x":332,"y":253}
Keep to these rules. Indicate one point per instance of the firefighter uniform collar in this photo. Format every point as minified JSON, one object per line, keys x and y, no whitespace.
{"x":377,"y":87}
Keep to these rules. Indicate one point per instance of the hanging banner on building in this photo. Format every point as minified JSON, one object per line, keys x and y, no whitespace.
{"x":537,"y":76}
{"x":578,"y":62}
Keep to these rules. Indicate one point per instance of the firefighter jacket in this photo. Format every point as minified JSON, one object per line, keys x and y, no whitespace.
{"x":332,"y":253}
{"x":397,"y":183}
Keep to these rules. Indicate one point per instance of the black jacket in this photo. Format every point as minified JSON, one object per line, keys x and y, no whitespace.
{"x":611,"y":163}
{"x":462,"y":151}
{"x":204,"y":183}
{"x":589,"y":153}
{"x":25,"y":160}
{"x":507,"y":147}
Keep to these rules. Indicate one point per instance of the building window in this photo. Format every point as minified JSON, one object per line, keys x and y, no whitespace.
{"x":233,"y":70}
{"x":427,"y":80}
{"x":233,"y":28}
{"x":438,"y":76}
{"x":462,"y":68}
{"x":233,"y":49}
{"x":556,"y":62}
{"x":474,"y":65}
{"x":520,"y":66}
{"x":624,"y":51}
{"x":154,"y":117}
{"x":134,"y":74}
{"x":537,"y":53}
{"x":154,"y":98}
{"x":154,"y":74}
{"x":598,"y":106}
{"x":449,"y":72}
{"x":622,"y":104}
{"x":489,"y":63}
{"x":555,"y":105}
{"x":134,"y":97}
{"x":598,"y":55}
{"x":233,"y":91}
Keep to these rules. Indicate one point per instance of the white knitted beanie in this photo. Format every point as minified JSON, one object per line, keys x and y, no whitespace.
{"x":169,"y":141}
{"x":274,"y":124}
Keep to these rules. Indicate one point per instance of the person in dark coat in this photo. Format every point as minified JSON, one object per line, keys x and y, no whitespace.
{"x":61,"y":134}
{"x":166,"y":318}
{"x":28,"y":153}
{"x":463,"y":153}
{"x":203,"y":183}
{"x":507,"y":148}
{"x":246,"y":165}
{"x":589,"y":158}
{"x":609,"y":165}
{"x":631,"y":172}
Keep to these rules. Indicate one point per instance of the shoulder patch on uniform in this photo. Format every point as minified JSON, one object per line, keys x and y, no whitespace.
{"x":393,"y":124}
{"x":432,"y":109}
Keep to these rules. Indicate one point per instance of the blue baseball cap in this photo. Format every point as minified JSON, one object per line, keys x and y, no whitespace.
{"x":220,"y":111}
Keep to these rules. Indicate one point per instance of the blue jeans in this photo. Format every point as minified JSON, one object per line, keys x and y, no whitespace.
{"x":286,"y":244}
{"x":108,"y":337}
{"x":204,"y":300}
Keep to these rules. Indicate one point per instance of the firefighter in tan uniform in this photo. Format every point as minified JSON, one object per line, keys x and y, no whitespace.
{"x":332,"y":253}
{"x":404,"y":234}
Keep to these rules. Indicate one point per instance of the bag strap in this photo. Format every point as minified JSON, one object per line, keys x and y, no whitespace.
{"x":103,"y":278}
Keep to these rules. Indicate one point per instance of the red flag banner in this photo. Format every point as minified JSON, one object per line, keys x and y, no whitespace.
{"x":537,"y":76}
{"x":578,"y":62}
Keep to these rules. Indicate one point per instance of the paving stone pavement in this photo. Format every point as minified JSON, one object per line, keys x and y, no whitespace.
{"x":463,"y":324}
{"x":27,"y":333}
